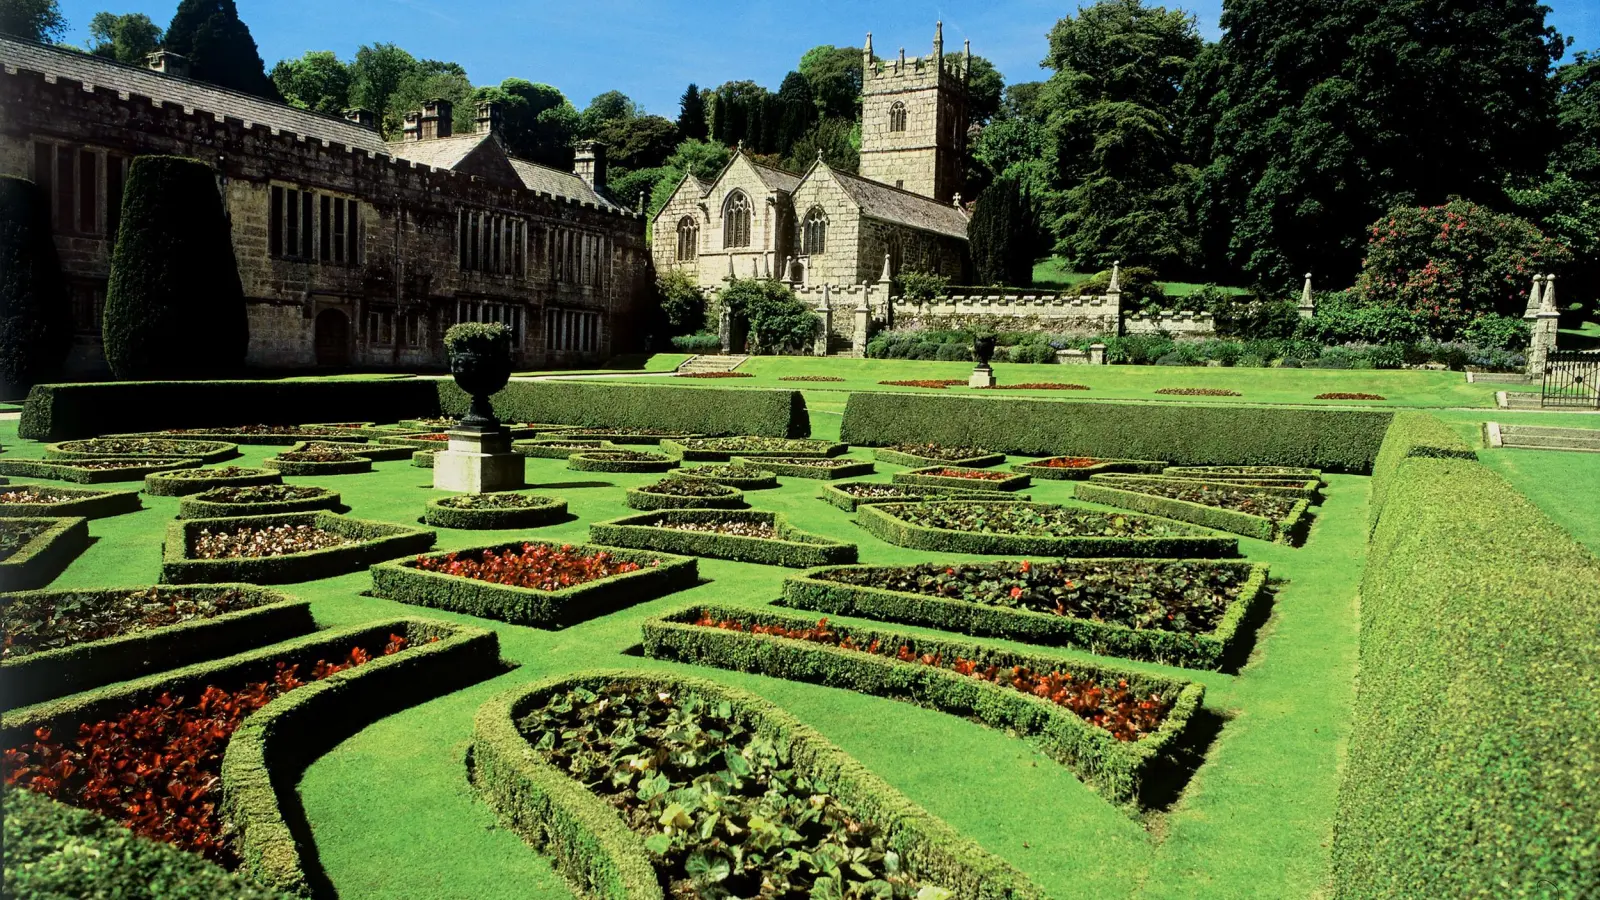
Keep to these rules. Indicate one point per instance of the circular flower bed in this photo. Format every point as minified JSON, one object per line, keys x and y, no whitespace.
{"x":745,"y":478}
{"x":319,"y":462}
{"x":685,"y":493}
{"x":192,"y":481}
{"x":620,"y":461}
{"x":209,"y":451}
{"x":558,"y":449}
{"x":256,"y":500}
{"x":1199,"y":392}
{"x":500,"y":509}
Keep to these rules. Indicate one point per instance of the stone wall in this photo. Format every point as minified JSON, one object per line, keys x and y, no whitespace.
{"x":925,"y":157}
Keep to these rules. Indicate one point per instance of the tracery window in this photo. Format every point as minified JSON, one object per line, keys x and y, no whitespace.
{"x":736,"y":221}
{"x":814,"y":232}
{"x":897,"y":116}
{"x":688,"y":238}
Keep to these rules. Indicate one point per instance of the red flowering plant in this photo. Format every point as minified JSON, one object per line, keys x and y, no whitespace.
{"x":970,"y":474}
{"x":1069,"y":462}
{"x":542,"y":567}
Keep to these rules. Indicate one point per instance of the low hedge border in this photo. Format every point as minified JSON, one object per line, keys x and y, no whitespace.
{"x":617,"y":437}
{"x":834,"y":494}
{"x":422,"y":459}
{"x":897,"y":458}
{"x":925,"y":477}
{"x":377,"y":451}
{"x":86,"y":502}
{"x":643,"y":499}
{"x":1214,"y":650}
{"x":778,"y":466}
{"x":1116,"y":769}
{"x":337,"y":437}
{"x":195,"y":506}
{"x":66,"y":471}
{"x":548,"y":512}
{"x":593,"y":405}
{"x":602,"y":857}
{"x":205,"y":451}
{"x":1038,"y":470}
{"x":409,"y":439}
{"x":49,"y":674}
{"x":661,"y":574}
{"x":595,"y":462}
{"x":792,"y":548}
{"x":1212,"y":473}
{"x":1412,"y":435}
{"x":163,"y":484}
{"x":374,"y":542}
{"x":1306,"y":489}
{"x":1290,"y":531}
{"x":43,"y":558}
{"x":683,"y":451}
{"x":537,"y":449}
{"x":358,"y":466}
{"x":270,"y":749}
{"x":760,"y":479}
{"x":880,"y":520}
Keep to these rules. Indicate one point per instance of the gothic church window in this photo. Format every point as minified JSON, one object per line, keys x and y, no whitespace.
{"x":736,"y":221}
{"x":688,"y":238}
{"x":814,"y":232}
{"x":897,"y":116}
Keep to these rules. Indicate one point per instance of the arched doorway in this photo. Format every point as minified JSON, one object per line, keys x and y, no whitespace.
{"x":332,"y":338}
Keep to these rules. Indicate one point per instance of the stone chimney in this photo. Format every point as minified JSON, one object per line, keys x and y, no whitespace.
{"x":488,"y":120}
{"x":361,"y":116}
{"x":168,"y":63}
{"x":437,"y":120}
{"x":589,"y":163}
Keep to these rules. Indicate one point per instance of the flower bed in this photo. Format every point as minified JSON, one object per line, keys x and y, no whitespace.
{"x":745,"y":478}
{"x":1199,"y":392}
{"x":745,"y":536}
{"x":1179,"y":612}
{"x":40,"y":501}
{"x":1079,"y":468}
{"x":1291,"y":474}
{"x":639,"y":436}
{"x":1344,"y":396}
{"x":538,"y":583}
{"x":1301,"y":489}
{"x":552,"y":759}
{"x":34,"y":551}
{"x":714,"y":375}
{"x":722,"y":449}
{"x":194,"y":481}
{"x":162,"y":448}
{"x":1041,"y":529}
{"x":260,"y":434}
{"x":62,"y":642}
{"x":318,"y":462}
{"x":920,"y":455}
{"x":685,"y":493}
{"x":1246,"y":511}
{"x":851,"y":494}
{"x":825,"y":468}
{"x":558,"y":448}
{"x":816,"y":378}
{"x":94,"y":471}
{"x":377,"y":451}
{"x":415,"y":440}
{"x":620,"y":461}
{"x":432,"y":423}
{"x":939,"y":384}
{"x":1109,"y":726}
{"x":333,"y":545}
{"x":958,"y":477}
{"x":1038,"y":386}
{"x":500,"y":509}
{"x":256,"y":500}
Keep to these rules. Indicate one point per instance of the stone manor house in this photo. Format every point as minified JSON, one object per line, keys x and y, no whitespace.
{"x":353,"y":251}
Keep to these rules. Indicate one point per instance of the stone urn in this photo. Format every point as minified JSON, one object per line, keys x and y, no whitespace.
{"x":983,"y":349}
{"x":480,"y":360}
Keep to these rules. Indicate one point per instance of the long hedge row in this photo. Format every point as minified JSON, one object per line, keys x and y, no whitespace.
{"x":1335,"y":440}
{"x":1474,"y":760}
{"x":78,"y":472}
{"x":601,"y":857}
{"x":598,"y":404}
{"x":1413,"y":434}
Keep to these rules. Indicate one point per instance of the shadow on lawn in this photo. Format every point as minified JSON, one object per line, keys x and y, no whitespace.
{"x":1164,"y":785}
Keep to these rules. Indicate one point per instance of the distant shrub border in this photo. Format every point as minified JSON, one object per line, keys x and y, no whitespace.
{"x":758,"y":479}
{"x":1291,"y":530}
{"x":658,"y":575}
{"x":49,"y":674}
{"x":1090,"y":466}
{"x":86,"y":502}
{"x":982,"y":480}
{"x":195,"y":481}
{"x":91,"y":471}
{"x":539,"y":512}
{"x":43,"y":557}
{"x":712,"y":496}
{"x":159,"y":448}
{"x":1212,"y":650}
{"x":198,"y":506}
{"x":373,"y":542}
{"x":840,"y":494}
{"x":882,"y":521}
{"x":792,"y":547}
{"x":357,"y":466}
{"x":1116,"y":769}
{"x":825,"y":469}
{"x":900,"y":458}
{"x":620,"y":461}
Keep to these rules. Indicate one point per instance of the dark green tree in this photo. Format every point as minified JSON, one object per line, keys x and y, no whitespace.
{"x":792,"y":113}
{"x":702,"y":159}
{"x":692,"y":122}
{"x":219,"y":46}
{"x":605,"y":110}
{"x":36,"y":20}
{"x":174,"y":305}
{"x":537,"y":122}
{"x":433,"y":79}
{"x":35,"y":322}
{"x":834,"y":74}
{"x":317,"y":81}
{"x":682,"y":305}
{"x":985,"y":87}
{"x":837,"y":141}
{"x":128,"y":38}
{"x":642,"y":143}
{"x":375,"y":76}
{"x":1003,"y":233}
{"x":779,"y":321}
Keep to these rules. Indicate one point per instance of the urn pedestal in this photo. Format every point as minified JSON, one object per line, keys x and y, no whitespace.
{"x":982,"y":377}
{"x":478,"y":462}
{"x":983,"y":351}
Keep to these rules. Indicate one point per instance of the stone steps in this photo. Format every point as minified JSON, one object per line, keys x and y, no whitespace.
{"x":709,"y":363}
{"x":1518,"y":400}
{"x":1540,"y":437}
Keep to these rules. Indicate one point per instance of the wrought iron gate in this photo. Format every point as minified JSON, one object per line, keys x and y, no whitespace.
{"x":1571,"y":378}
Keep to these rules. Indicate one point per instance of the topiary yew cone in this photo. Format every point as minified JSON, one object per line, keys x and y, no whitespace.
{"x":35,"y":323}
{"x":174,"y":306}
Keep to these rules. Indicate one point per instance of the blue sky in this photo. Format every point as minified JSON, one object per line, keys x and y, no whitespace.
{"x":650,"y":49}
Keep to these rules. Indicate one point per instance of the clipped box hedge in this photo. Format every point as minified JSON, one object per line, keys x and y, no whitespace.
{"x":926,"y":478}
{"x":1303,"y":488}
{"x":333,"y":436}
{"x":600,"y":405}
{"x":793,"y":548}
{"x":373,"y":542}
{"x":1413,"y":435}
{"x":835,"y":494}
{"x":205,"y":451}
{"x":1296,"y":474}
{"x":642,"y":498}
{"x":49,"y":674}
{"x":411,"y":441}
{"x":597,"y":852}
{"x":881,"y":520}
{"x":1473,"y":767}
{"x":80,"y":473}
{"x":658,"y":576}
{"x":196,"y":506}
{"x":1214,"y":650}
{"x":608,"y":461}
{"x":901,"y":458}
{"x":1038,"y":469}
{"x":422,"y":459}
{"x":86,"y":502}
{"x":358,"y":466}
{"x":1336,"y":440}
{"x":377,"y":451}
{"x":757,"y":480}
{"x":1291,"y":530}
{"x":784,"y":466}
{"x":543,"y":511}
{"x":167,"y":484}
{"x":58,"y":412}
{"x":44,"y":557}
{"x":558,"y":449}
{"x":1116,"y":769}
{"x":624,"y":437}
{"x":698,"y":449}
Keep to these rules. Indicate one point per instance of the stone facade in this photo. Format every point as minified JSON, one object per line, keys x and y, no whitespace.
{"x":914,"y":119}
{"x":352,"y":251}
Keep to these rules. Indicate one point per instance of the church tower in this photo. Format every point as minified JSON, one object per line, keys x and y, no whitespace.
{"x":914,"y":119}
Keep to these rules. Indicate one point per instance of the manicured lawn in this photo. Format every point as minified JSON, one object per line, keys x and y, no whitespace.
{"x":620,"y":365}
{"x":1054,"y":273}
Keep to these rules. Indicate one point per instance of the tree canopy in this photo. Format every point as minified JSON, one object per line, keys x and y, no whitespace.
{"x":218,"y":46}
{"x":129,"y":38}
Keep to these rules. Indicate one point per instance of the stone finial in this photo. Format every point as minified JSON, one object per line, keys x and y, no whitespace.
{"x":887,"y":275}
{"x":1548,"y":302}
{"x":867,"y":50}
{"x":827,"y":295}
{"x":902,"y":58}
{"x":938,"y":40}
{"x":1535,"y":297}
{"x":1308,"y":300}
{"x":731,"y":276}
{"x":1115,"y":287}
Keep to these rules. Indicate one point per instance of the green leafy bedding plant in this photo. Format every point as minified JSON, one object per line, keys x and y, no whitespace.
{"x":685,"y":493}
{"x":33,"y":551}
{"x":255,"y":500}
{"x":498,"y":509}
{"x":16,"y":535}
{"x":743,"y":477}
{"x":1240,"y":510}
{"x":928,"y":454}
{"x":850,"y":494}
{"x":982,"y":526}
{"x":820,"y":467}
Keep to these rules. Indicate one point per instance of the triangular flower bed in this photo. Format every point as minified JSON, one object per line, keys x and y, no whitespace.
{"x":335,"y":545}
{"x":1079,"y":468}
{"x":920,"y":455}
{"x":826,"y":468}
{"x":722,"y":449}
{"x":48,"y":501}
{"x":742,"y":535}
{"x":1225,"y":507}
{"x":1036,"y":529}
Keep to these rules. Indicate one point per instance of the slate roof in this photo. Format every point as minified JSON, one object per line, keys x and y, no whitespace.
{"x":901,"y":207}
{"x":775,"y":179}
{"x":561,"y":184}
{"x":440,"y":153}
